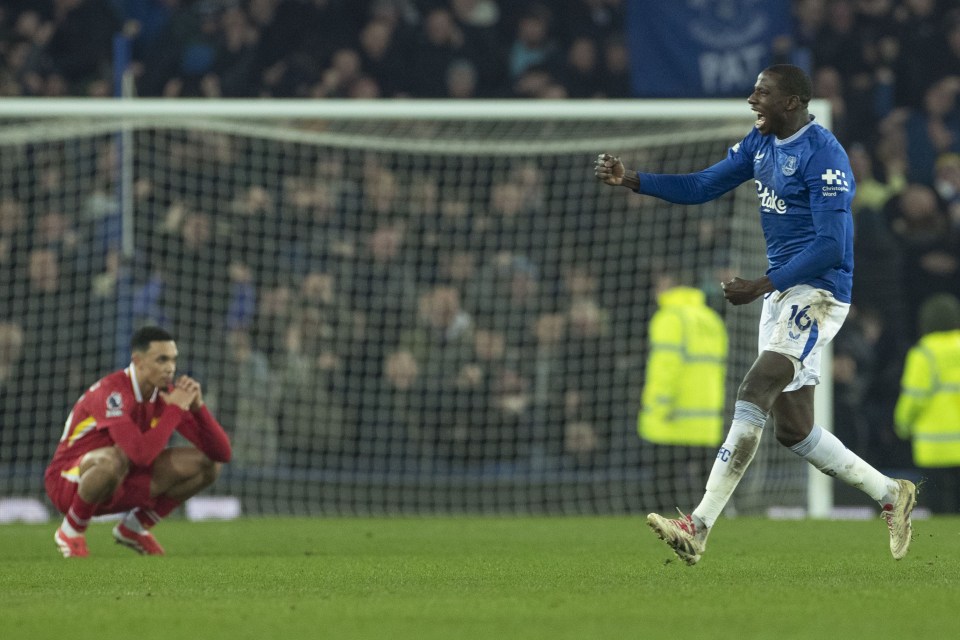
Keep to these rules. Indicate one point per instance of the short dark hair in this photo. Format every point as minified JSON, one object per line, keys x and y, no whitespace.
{"x":143,"y":336}
{"x":793,"y":81}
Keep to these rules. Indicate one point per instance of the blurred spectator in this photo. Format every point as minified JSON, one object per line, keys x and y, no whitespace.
{"x":242,"y":297}
{"x":273,"y":316}
{"x":383,"y":57}
{"x":198,"y":274}
{"x":442,"y":42}
{"x":337,"y":80}
{"x":549,"y":331}
{"x":533,"y":44}
{"x":149,"y":20}
{"x":383,"y":293}
{"x":919,"y":27}
{"x":872,"y":192}
{"x":579,"y":75}
{"x":53,"y":374}
{"x":481,"y":25}
{"x":312,"y":416}
{"x":393,"y":427}
{"x":185,"y":54}
{"x":16,"y":408}
{"x":615,"y":79}
{"x":950,"y":59}
{"x":462,"y":80}
{"x":81,"y":45}
{"x":930,"y":249}
{"x":234,"y":64}
{"x":928,"y":410}
{"x":828,"y":85}
{"x":933,"y":130}
{"x":13,"y":241}
{"x":11,"y":375}
{"x":506,"y":296}
{"x":946,"y":181}
{"x":594,"y":19}
{"x":586,"y":380}
{"x":441,"y":341}
{"x":244,"y":395}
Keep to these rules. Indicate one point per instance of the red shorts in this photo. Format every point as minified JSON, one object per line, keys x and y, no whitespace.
{"x":133,"y":492}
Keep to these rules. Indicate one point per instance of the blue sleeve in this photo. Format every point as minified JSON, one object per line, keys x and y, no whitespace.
{"x":703,"y":186}
{"x":829,"y":180}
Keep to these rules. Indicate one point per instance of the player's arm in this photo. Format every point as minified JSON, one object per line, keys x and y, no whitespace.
{"x":830,"y":216}
{"x":201,"y":428}
{"x":143,"y":448}
{"x":688,"y":188}
{"x":915,"y":386}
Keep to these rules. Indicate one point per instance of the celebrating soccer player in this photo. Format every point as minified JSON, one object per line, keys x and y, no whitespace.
{"x":805,"y":187}
{"x":113,"y":455}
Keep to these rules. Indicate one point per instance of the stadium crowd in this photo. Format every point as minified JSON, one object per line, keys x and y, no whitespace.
{"x":488,"y":344}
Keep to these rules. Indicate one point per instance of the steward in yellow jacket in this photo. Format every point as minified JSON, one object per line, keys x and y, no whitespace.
{"x":928,"y":410}
{"x":683,"y":395}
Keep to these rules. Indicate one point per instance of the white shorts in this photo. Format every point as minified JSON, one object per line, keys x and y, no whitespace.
{"x":798,"y":323}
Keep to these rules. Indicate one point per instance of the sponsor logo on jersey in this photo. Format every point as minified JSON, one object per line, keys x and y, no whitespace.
{"x":836,"y":182}
{"x":759,"y":156}
{"x":114,"y":405}
{"x":789,"y":166}
{"x":769,"y":201}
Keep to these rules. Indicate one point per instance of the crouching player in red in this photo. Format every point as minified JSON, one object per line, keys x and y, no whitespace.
{"x":113,"y":455}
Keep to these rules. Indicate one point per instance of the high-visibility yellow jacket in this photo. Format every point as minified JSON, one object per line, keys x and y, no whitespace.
{"x":928,"y":409}
{"x":684,"y":389}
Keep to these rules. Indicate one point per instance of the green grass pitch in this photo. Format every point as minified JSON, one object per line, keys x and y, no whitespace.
{"x":483,"y":577}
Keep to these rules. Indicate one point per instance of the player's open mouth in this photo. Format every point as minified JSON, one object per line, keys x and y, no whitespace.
{"x":761,"y":120}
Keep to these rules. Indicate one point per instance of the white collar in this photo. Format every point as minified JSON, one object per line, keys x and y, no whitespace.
{"x":799,"y":133}
{"x":132,"y":373}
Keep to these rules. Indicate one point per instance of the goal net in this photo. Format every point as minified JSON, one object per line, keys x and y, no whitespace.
{"x":392,"y":307}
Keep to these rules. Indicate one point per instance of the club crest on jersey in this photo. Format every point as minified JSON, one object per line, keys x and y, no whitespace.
{"x":789,"y":166}
{"x":114,"y":405}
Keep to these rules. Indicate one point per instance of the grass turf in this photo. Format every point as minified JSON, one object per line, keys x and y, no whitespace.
{"x":396,"y":578}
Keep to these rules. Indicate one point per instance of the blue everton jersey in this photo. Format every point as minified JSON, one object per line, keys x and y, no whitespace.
{"x":805,"y":188}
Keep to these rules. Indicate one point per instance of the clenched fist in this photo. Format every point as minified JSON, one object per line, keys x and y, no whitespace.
{"x":608,"y":169}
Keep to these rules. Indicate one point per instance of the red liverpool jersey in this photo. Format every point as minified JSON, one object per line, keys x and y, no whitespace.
{"x":113,"y":411}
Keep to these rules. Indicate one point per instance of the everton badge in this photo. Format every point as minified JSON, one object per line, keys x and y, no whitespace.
{"x":789,"y":166}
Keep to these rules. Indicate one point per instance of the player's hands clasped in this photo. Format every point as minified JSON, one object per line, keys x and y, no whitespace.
{"x":608,"y":169}
{"x":193,"y":387}
{"x":186,"y":394}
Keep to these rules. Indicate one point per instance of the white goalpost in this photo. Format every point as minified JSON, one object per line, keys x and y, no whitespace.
{"x":393,"y":306}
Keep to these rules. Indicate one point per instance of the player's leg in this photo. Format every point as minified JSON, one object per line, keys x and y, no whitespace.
{"x":178,"y":474}
{"x":787,"y":333}
{"x":182,"y":472}
{"x":816,"y":317}
{"x":687,"y":535}
{"x":757,"y":393}
{"x":97,"y":477}
{"x":795,"y":429}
